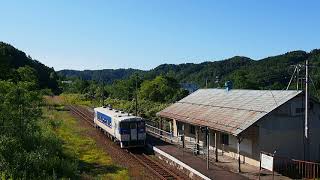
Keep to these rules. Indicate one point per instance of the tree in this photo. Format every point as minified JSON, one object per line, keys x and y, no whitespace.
{"x":29,"y":75}
{"x":26,"y":152}
{"x":125,"y":89}
{"x":162,"y":89}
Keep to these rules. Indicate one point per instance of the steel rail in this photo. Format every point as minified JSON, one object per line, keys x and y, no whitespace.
{"x":159,"y":170}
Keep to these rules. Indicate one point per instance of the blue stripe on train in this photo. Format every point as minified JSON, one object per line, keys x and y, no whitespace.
{"x":104,"y":119}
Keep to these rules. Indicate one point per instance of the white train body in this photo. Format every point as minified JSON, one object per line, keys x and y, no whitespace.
{"x":129,"y":130}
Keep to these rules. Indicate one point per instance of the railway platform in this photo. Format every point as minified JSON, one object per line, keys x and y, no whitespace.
{"x":194,"y":162}
{"x":226,"y":168}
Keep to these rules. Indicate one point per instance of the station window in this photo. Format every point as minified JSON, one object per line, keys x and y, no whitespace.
{"x":192,"y":129}
{"x":300,"y":110}
{"x":180,"y":126}
{"x":225,"y":139}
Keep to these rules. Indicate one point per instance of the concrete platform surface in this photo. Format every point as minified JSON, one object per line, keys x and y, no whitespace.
{"x":214,"y":172}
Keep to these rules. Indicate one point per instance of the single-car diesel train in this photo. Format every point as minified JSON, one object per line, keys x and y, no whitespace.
{"x":124,"y":128}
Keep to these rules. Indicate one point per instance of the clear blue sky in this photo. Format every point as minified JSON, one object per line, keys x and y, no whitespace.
{"x":91,"y":34}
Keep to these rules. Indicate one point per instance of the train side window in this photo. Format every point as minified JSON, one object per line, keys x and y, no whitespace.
{"x":141,"y":126}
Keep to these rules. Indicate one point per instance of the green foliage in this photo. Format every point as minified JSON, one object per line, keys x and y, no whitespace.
{"x":14,"y":64}
{"x":269,"y":73}
{"x":162,"y":89}
{"x":79,"y":99}
{"x":28,"y":74}
{"x":28,"y":150}
{"x":107,"y":76}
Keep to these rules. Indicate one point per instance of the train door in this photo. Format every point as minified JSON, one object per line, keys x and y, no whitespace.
{"x":133,"y":131}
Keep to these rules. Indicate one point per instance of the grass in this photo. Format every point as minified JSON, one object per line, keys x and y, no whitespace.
{"x":93,"y":161}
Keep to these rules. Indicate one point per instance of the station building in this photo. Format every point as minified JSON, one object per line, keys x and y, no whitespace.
{"x":242,"y":123}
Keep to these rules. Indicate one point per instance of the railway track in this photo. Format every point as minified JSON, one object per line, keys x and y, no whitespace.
{"x":138,"y":154}
{"x":158,"y":169}
{"x":83,"y":113}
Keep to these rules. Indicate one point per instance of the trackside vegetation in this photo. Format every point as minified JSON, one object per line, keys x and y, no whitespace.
{"x":91,"y":161}
{"x":38,"y":139}
{"x":28,"y":147}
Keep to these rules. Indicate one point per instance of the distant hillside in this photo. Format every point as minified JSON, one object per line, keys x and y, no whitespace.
{"x":188,"y":72}
{"x":11,"y":59}
{"x":199,"y":73}
{"x":267,"y":73}
{"x":107,"y":75}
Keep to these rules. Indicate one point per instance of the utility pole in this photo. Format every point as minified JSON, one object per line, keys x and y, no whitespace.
{"x":136,"y":95}
{"x":102,"y":93}
{"x":206,"y":82}
{"x":306,"y":131}
{"x":298,"y":69}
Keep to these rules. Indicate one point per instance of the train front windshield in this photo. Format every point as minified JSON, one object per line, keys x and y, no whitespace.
{"x":141,"y":127}
{"x":126,"y":127}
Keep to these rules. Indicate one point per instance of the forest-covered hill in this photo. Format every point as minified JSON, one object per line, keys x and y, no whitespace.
{"x":107,"y":75}
{"x":267,"y":73}
{"x":11,"y":59}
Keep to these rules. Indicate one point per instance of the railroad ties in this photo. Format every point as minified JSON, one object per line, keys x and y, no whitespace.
{"x":138,"y":154}
{"x":82,"y":113}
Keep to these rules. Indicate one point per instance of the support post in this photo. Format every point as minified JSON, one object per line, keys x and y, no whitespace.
{"x":170,"y":128}
{"x":182,"y":127}
{"x":239,"y":160}
{"x":183,"y":138}
{"x":175,"y":127}
{"x":197,"y":140}
{"x":183,"y":142}
{"x":260,"y":166}
{"x":161,"y":126}
{"x":208,"y":145}
{"x":216,"y":145}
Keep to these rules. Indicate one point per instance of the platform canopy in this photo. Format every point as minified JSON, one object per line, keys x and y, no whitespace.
{"x":227,"y":111}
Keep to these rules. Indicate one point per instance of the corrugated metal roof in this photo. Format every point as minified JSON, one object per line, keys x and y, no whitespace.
{"x":227,"y":111}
